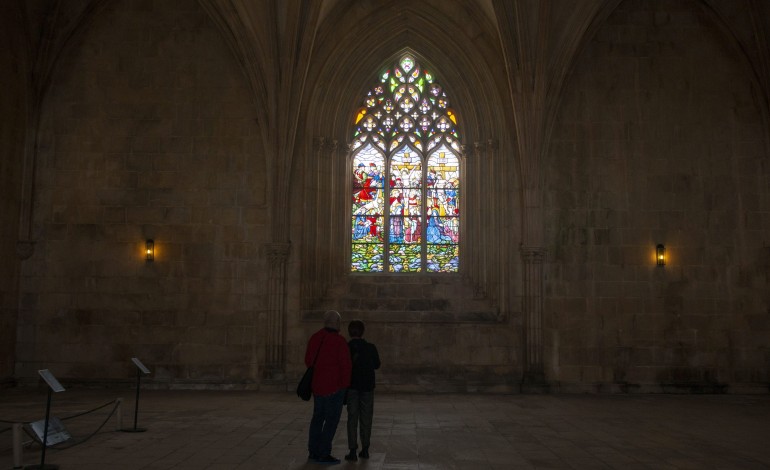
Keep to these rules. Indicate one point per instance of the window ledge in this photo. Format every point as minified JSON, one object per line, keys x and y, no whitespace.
{"x":489,"y":316}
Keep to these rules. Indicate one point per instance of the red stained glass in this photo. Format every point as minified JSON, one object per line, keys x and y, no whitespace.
{"x":412,"y":223}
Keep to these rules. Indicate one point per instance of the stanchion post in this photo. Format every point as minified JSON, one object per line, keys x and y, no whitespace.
{"x":136,"y":403}
{"x":140,"y":369}
{"x":17,"y":453}
{"x":53,"y":386}
{"x":119,"y":414}
{"x":45,"y":429}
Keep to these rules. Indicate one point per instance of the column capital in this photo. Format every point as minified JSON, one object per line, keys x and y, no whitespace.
{"x":276,"y":251}
{"x":25,"y":249}
{"x":324,"y":145}
{"x":331,"y":145}
{"x":533,"y":254}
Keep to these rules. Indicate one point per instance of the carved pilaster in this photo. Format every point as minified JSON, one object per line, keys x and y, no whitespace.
{"x":532,"y":306}
{"x":25,"y":249}
{"x":478,"y":216}
{"x":277,"y":254}
{"x":318,"y":144}
{"x":319,"y":213}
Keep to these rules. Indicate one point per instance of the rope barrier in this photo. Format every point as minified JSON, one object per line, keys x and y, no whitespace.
{"x":64,"y":445}
{"x":76,"y":415}
{"x":25,"y":425}
{"x":112,"y":412}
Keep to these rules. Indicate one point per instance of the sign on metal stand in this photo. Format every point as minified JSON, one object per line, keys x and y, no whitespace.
{"x":53,"y":386}
{"x":140,"y":369}
{"x":56,"y":431}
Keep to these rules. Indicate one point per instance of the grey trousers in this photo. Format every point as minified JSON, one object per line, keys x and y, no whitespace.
{"x":360,"y":409}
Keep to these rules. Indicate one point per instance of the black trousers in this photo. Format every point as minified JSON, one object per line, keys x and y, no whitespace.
{"x":360,"y":410}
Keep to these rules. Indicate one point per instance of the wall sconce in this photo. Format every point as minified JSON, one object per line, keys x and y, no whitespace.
{"x":660,"y":255}
{"x":149,"y":250}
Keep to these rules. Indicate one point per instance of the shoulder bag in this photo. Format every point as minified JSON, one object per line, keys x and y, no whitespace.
{"x":305,"y":386}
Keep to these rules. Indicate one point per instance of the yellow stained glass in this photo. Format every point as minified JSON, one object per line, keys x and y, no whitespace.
{"x":361,"y":114}
{"x":405,"y":211}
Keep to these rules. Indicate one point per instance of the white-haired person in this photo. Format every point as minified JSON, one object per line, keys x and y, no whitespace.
{"x":328,"y":351}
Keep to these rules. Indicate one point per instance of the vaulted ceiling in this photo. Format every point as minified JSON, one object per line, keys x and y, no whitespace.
{"x":297,"y":55}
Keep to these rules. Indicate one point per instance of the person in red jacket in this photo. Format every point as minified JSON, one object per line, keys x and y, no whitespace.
{"x":329,"y":351}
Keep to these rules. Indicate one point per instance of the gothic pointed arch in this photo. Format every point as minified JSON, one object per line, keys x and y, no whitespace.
{"x":405,"y":216}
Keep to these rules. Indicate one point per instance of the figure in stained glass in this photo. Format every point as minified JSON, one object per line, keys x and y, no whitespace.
{"x":396,"y":216}
{"x":406,"y":135}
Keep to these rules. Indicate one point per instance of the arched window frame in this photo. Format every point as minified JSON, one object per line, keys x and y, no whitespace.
{"x":425,"y":143}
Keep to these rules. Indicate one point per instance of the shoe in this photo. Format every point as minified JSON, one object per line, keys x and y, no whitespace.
{"x":312,"y":457}
{"x":327,"y":460}
{"x":364,"y":454}
{"x":351,"y":456}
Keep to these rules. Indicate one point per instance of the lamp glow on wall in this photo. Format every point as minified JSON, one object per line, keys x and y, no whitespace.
{"x":660,"y":255}
{"x":149,"y":250}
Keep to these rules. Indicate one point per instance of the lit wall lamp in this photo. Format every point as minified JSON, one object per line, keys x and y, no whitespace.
{"x":660,"y":255}
{"x":149,"y":250}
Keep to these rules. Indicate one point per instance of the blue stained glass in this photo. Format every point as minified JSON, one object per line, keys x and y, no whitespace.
{"x":443,"y":258}
{"x":405,"y":258}
{"x":405,"y":200}
{"x":367,"y":258}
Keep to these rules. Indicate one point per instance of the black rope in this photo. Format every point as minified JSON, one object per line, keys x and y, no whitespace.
{"x":64,"y":445}
{"x":63,"y":419}
{"x":89,"y":411}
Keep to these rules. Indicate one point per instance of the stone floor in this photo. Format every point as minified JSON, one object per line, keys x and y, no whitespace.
{"x":249,"y":430}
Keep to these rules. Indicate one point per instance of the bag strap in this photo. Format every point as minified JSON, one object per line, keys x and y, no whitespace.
{"x":319,"y":351}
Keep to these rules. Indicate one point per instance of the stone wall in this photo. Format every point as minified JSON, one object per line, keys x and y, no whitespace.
{"x":148,"y":132}
{"x":659,"y":139}
{"x":433,"y":333}
{"x":12,"y":127}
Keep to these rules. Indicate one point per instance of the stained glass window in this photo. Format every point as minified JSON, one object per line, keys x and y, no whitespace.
{"x":406,"y":135}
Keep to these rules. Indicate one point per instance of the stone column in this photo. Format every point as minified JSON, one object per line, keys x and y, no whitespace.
{"x":479,"y":216}
{"x":277,"y":255}
{"x":328,"y":243}
{"x":320,"y":246}
{"x":495,"y":220}
{"x":532,"y":309}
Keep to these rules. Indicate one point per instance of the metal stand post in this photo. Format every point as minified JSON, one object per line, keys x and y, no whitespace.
{"x":119,"y":415}
{"x":42,"y":465}
{"x":53,"y":386}
{"x":136,"y":405}
{"x":17,"y":453}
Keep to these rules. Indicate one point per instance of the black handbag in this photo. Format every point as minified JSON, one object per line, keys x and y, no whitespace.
{"x":305,"y":386}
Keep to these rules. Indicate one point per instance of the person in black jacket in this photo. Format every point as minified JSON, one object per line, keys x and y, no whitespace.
{"x":361,"y":392}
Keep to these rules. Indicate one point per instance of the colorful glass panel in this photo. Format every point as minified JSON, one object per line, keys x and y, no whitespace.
{"x":368,"y":210}
{"x":405,"y":200}
{"x":407,"y":113}
{"x":443,"y":258}
{"x":443,"y":211}
{"x":367,"y":258}
{"x":405,"y":259}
